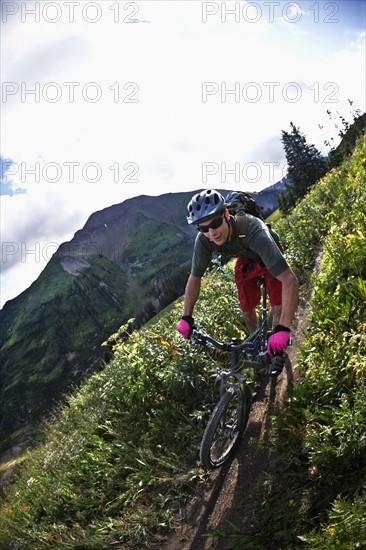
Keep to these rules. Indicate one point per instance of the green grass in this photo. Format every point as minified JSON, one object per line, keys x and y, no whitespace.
{"x":124,"y":449}
{"x":274,"y":217}
{"x":316,"y":496}
{"x":121,"y":454}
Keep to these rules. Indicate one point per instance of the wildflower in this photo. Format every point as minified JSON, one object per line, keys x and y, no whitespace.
{"x":25,"y":507}
{"x":174,"y":352}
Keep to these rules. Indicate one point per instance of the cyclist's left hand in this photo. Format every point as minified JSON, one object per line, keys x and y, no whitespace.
{"x":279,"y":340}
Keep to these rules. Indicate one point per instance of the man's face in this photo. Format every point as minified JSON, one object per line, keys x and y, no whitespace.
{"x":215,"y":229}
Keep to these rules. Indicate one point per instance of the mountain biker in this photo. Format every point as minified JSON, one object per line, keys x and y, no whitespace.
{"x":208,"y":212}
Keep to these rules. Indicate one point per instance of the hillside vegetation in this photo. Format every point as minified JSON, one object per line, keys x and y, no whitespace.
{"x":119,"y":455}
{"x":129,"y":260}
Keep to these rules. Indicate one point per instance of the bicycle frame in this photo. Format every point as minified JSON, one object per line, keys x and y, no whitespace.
{"x":230,"y":416}
{"x":248,"y":344}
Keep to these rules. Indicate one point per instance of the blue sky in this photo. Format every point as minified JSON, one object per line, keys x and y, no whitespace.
{"x":102,"y":101}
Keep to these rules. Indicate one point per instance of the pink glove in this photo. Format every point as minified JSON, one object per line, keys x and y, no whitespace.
{"x":279,"y":340}
{"x":185,"y":326}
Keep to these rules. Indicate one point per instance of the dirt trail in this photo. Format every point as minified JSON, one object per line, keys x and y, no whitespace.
{"x":228,"y":496}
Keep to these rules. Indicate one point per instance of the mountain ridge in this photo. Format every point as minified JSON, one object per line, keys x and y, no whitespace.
{"x":129,"y":260}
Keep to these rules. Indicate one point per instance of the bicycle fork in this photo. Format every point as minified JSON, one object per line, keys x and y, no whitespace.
{"x":239,"y":378}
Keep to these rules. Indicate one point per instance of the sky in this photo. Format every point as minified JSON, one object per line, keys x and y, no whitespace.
{"x":103,"y":101}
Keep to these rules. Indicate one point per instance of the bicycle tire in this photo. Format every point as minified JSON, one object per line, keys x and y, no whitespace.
{"x":225,"y":428}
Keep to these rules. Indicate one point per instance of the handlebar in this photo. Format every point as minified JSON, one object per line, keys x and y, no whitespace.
{"x":201,"y":339}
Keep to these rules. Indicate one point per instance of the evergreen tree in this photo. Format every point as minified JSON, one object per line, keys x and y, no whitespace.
{"x":305,"y":167}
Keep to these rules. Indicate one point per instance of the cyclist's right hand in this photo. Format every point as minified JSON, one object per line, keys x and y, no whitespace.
{"x":279,"y":340}
{"x":186,"y":326}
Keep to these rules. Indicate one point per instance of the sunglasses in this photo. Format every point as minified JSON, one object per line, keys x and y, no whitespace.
{"x":215,"y":224}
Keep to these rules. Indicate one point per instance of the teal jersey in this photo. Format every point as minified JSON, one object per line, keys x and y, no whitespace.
{"x":260,"y":241}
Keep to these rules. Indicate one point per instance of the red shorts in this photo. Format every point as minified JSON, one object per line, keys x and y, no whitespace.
{"x":247,"y":272}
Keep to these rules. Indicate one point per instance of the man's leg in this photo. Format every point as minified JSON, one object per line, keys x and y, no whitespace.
{"x":276,"y":312}
{"x":251,"y":319}
{"x":248,"y":289}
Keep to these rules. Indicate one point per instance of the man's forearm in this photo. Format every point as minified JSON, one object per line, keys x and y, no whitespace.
{"x":290,"y":296}
{"x":192,"y":292}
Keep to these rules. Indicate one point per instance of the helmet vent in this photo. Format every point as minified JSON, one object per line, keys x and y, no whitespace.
{"x":205,"y":205}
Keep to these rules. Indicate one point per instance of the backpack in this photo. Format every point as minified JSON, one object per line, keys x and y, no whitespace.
{"x":239,"y":200}
{"x":240,"y":203}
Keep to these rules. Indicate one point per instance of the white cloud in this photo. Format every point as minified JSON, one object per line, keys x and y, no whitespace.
{"x":150,"y":122}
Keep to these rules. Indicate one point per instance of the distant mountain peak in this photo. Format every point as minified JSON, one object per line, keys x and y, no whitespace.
{"x":129,"y":260}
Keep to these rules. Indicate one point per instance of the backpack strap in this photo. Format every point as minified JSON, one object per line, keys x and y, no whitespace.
{"x":242,"y":224}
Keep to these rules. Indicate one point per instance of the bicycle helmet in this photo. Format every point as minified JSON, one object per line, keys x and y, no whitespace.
{"x":204,"y":205}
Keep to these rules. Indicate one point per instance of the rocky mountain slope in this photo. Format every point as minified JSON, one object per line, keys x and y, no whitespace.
{"x":129,"y":261}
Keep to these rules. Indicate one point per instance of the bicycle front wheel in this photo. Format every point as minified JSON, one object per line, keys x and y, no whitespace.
{"x":225,"y":427}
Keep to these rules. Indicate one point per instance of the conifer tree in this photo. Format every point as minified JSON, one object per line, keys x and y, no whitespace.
{"x":305,"y":167}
